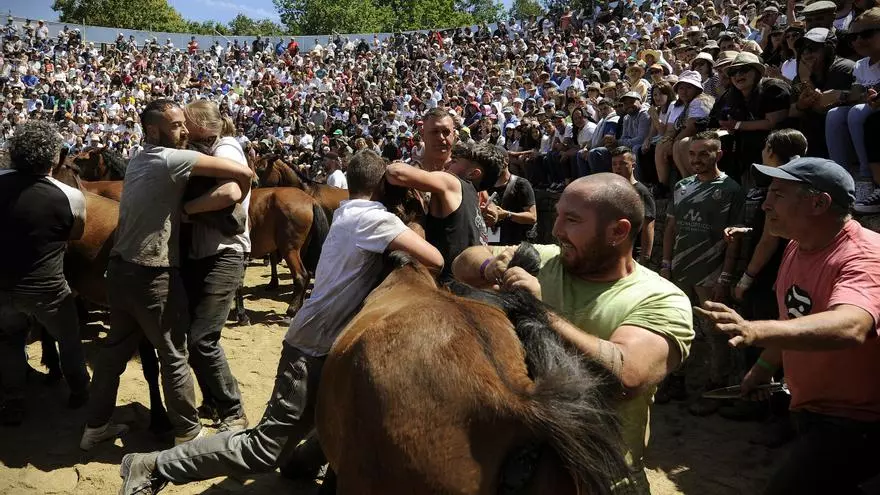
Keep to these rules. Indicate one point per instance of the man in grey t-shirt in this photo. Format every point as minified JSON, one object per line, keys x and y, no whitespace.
{"x":146,"y":293}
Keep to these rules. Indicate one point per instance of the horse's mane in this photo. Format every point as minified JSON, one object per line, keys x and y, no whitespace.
{"x":115,"y":162}
{"x":570,"y":393}
{"x":306,"y":179}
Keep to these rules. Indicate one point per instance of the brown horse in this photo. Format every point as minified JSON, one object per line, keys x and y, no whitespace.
{"x":288,"y":224}
{"x":431,"y":393}
{"x":84,"y":266}
{"x":99,"y":164}
{"x":69,"y":173}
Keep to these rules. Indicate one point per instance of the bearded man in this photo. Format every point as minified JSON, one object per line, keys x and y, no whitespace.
{"x":145,"y":290}
{"x":615,"y":311}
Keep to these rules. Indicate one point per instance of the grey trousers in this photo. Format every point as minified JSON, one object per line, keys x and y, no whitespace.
{"x":151,"y":302}
{"x":57,"y":313}
{"x":211,"y":283}
{"x":289,"y":417}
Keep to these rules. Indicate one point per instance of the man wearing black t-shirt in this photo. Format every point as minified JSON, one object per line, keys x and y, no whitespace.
{"x":510,"y":213}
{"x":39,"y":215}
{"x":622,"y":162}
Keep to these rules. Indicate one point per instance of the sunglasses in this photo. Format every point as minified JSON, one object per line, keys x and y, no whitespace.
{"x":793,"y":36}
{"x":735,"y":71}
{"x":811,"y":47}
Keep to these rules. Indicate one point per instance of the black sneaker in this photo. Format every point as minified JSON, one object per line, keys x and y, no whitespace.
{"x":139,"y":475}
{"x":871,"y":204}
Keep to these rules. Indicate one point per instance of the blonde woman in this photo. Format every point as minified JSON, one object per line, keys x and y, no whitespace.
{"x":212,"y":272}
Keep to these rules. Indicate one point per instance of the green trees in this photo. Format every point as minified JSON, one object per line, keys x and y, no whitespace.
{"x":154,"y":15}
{"x":298,"y":17}
{"x":524,"y":9}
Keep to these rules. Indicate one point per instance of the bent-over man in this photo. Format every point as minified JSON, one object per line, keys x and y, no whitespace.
{"x":612,"y":309}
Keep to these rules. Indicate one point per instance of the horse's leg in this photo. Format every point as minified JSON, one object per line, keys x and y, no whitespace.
{"x":159,"y":422}
{"x":300,"y":278}
{"x":274,"y":259}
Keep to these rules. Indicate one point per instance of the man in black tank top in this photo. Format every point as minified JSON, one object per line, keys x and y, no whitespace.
{"x":454,"y":221}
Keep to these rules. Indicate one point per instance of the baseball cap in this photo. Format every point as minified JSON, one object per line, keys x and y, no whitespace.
{"x":822,"y":174}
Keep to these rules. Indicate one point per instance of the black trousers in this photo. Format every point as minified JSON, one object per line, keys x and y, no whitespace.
{"x":831,"y":455}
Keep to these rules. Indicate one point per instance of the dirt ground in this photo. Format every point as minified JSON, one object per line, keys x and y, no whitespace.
{"x":687,"y":455}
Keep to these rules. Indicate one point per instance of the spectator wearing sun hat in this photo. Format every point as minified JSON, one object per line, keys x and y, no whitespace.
{"x":756,"y":107}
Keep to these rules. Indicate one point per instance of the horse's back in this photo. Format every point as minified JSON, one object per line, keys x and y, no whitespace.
{"x":429,"y":383}
{"x":111,"y":189}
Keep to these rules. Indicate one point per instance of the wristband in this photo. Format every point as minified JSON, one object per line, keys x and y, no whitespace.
{"x":767,"y":366}
{"x":745,"y":281}
{"x":725,"y":278}
{"x":665,"y":264}
{"x":483,"y":267}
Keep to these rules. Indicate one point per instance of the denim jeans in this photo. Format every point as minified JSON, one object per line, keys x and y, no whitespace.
{"x":211,"y":283}
{"x":57,"y":313}
{"x":831,"y":455}
{"x":289,"y":417}
{"x":600,"y":160}
{"x":151,"y":302}
{"x":845,"y":130}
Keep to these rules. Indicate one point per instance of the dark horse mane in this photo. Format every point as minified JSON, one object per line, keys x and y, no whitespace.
{"x":306,"y":179}
{"x":572,"y":393}
{"x":115,"y":162}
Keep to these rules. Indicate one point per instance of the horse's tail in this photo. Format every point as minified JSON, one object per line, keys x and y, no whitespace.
{"x":568,"y":403}
{"x":317,"y":234}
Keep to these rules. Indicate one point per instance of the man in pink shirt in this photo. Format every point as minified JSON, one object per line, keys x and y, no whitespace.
{"x":828,"y":292}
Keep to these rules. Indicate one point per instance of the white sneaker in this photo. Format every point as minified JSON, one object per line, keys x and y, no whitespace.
{"x":94,"y":436}
{"x":201,"y":434}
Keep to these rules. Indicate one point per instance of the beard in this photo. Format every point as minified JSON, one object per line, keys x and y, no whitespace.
{"x":596,"y":259}
{"x":168,"y":141}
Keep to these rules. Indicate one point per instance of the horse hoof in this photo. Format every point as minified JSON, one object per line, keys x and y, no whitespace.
{"x":272,"y":285}
{"x":244,"y":321}
{"x":291,"y":311}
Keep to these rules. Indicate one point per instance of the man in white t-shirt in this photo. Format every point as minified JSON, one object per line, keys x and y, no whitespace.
{"x":350,"y":266}
{"x":334,"y":167}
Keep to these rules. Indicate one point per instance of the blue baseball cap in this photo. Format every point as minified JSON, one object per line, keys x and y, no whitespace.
{"x":822,"y":174}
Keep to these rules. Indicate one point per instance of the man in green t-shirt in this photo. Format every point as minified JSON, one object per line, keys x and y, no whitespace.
{"x":695,"y":255}
{"x":617,"y":312}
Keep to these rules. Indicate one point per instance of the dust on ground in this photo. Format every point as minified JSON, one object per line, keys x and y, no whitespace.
{"x":687,"y":454}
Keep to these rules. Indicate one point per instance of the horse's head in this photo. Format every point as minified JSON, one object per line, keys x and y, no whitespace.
{"x":67,"y":172}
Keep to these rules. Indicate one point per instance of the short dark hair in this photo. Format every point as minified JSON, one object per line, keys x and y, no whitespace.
{"x":622,"y":150}
{"x":152,"y":113}
{"x":490,"y":158}
{"x":787,"y":143}
{"x":708,"y":136}
{"x":35,"y":147}
{"x":366,"y":171}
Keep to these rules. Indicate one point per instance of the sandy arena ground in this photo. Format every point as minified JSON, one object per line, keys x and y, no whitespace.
{"x":687,"y":455}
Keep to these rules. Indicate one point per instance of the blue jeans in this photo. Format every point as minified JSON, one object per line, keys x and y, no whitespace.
{"x":600,"y":160}
{"x":845,"y":130}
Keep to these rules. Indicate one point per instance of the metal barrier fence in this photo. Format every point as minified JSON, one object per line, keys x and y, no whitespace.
{"x":100,"y":35}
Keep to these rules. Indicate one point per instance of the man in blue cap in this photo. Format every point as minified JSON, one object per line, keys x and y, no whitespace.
{"x":827,"y":292}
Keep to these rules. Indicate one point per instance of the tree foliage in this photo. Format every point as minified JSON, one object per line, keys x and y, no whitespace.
{"x":525,"y":9}
{"x":299,"y":17}
{"x":310,"y":17}
{"x":153,"y":15}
